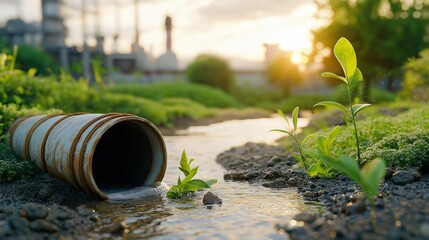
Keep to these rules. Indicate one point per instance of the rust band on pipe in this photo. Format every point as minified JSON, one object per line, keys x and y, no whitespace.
{"x":93,"y":152}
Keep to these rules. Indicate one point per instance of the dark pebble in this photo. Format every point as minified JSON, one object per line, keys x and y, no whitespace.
{"x":389,"y":173}
{"x":305,"y":217}
{"x":292,"y":182}
{"x":41,"y":225}
{"x":273,"y":174}
{"x":18,"y":224}
{"x":403,"y":177}
{"x":211,"y":198}
{"x":33,"y":211}
{"x":44,"y":193}
{"x":84,"y":210}
{"x":116,"y":228}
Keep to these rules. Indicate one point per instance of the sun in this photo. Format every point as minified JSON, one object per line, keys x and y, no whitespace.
{"x":298,"y":58}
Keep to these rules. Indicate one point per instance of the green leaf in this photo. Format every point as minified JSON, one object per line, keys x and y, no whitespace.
{"x":333,"y":75}
{"x":184,"y":171}
{"x":173,"y":195}
{"x":346,"y":165}
{"x":372,"y":173}
{"x":187,"y":188}
{"x":334,"y":105}
{"x":295,"y":117}
{"x":199,"y":183}
{"x":188,"y":178}
{"x":314,"y":169}
{"x":31,"y":72}
{"x":355,"y":79}
{"x":359,"y":107}
{"x":211,"y":182}
{"x":345,"y":54}
{"x":322,"y":146}
{"x":282,"y":131}
{"x":331,"y":137}
{"x":184,"y":162}
{"x":308,"y":137}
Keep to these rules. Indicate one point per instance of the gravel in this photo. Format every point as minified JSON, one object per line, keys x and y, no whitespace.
{"x":399,"y":212}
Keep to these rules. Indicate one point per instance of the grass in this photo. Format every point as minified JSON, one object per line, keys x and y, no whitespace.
{"x":204,"y":95}
{"x":401,"y":140}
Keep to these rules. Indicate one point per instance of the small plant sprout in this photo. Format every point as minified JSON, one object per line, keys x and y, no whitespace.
{"x":346,"y":56}
{"x":188,"y":184}
{"x":293,"y":134}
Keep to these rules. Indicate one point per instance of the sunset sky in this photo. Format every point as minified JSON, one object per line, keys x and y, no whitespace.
{"x":235,"y":29}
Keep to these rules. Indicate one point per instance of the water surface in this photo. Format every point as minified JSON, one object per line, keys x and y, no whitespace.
{"x":249,"y":211}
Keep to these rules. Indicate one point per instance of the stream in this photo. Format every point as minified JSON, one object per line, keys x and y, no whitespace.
{"x":248,"y":211}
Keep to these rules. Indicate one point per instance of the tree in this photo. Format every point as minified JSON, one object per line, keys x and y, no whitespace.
{"x":283,"y":73}
{"x":211,"y":70}
{"x":33,"y":57}
{"x":385,"y":33}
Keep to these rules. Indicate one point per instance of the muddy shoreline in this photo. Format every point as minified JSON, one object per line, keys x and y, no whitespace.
{"x":59,"y":211}
{"x":401,"y":208}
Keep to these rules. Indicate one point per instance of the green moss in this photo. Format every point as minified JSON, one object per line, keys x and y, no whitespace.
{"x":409,"y":149}
{"x":12,"y":168}
{"x":401,"y":140}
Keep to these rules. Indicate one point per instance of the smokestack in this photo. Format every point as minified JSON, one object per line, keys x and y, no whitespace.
{"x":168,"y":28}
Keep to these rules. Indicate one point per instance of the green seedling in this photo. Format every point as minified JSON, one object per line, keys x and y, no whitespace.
{"x":368,"y":177}
{"x":293,"y":134}
{"x":317,"y":168}
{"x":346,"y":56}
{"x":188,"y":184}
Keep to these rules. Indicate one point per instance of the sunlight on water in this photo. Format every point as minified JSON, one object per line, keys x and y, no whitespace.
{"x":249,"y":211}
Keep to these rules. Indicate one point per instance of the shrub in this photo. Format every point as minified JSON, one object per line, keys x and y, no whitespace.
{"x":283,"y":73}
{"x":416,"y":80}
{"x":205,"y":95}
{"x":402,"y":150}
{"x":211,"y":70}
{"x":33,"y":57}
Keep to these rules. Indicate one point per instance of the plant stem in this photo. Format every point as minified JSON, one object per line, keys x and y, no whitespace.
{"x":300,"y":152}
{"x":354,"y":123}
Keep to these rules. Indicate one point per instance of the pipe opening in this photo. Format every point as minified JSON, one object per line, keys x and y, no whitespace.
{"x":123,"y":157}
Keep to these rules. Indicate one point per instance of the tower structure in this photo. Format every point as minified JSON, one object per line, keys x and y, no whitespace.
{"x":53,"y":28}
{"x":168,"y":28}
{"x":168,"y":60}
{"x":54,"y":31}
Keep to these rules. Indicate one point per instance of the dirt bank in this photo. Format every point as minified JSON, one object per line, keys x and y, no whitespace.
{"x":401,"y":207}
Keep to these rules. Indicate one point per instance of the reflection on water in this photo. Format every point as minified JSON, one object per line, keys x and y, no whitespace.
{"x":248,"y":211}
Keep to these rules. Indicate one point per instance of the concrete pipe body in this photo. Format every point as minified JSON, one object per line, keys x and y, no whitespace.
{"x":93,"y":152}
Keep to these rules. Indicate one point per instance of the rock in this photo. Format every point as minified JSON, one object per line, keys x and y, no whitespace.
{"x":18,"y":224}
{"x":211,"y":198}
{"x":273,"y":161}
{"x":41,"y":225}
{"x":4,"y":229}
{"x":272,"y":174}
{"x":389,"y":173}
{"x":292,"y":182}
{"x":308,"y":194}
{"x":270,"y":163}
{"x":305,"y":217}
{"x":424,"y":229}
{"x":117,"y":228}
{"x":359,"y":206}
{"x":84,"y":210}
{"x":44,"y":193}
{"x":33,"y":211}
{"x":403,"y":177}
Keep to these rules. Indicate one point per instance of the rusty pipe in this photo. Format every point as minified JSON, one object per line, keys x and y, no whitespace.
{"x":93,"y":152}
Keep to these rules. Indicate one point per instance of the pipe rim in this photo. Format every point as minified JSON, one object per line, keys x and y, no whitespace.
{"x":89,"y":178}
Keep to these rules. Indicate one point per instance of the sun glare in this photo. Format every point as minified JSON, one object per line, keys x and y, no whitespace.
{"x":298,"y":58}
